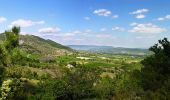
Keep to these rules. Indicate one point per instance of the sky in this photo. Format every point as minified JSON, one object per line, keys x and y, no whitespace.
{"x":118,"y":23}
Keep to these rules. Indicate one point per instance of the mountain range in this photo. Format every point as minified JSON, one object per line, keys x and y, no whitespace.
{"x":42,"y":46}
{"x":110,"y":49}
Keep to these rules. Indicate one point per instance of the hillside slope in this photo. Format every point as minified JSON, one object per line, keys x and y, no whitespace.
{"x":41,"y":46}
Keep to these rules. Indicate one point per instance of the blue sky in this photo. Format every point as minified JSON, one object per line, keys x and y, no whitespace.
{"x":119,"y":23}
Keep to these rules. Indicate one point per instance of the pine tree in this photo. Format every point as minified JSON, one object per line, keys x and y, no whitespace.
{"x":11,"y":42}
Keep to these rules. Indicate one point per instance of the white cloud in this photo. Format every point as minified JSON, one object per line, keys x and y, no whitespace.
{"x":144,"y":37}
{"x":68,"y":34}
{"x":1,"y":31}
{"x":76,"y":32}
{"x":49,"y":30}
{"x":2,"y":19}
{"x":116,"y":28}
{"x":133,"y":24}
{"x":88,"y":30}
{"x":147,"y":28}
{"x":140,"y":16}
{"x":23,"y":33}
{"x":160,"y":19}
{"x":104,"y":36}
{"x":102,"y":12}
{"x":26,"y":23}
{"x":87,"y":18}
{"x":103,"y":29}
{"x":140,"y":11}
{"x":167,"y":17}
{"x":115,"y":16}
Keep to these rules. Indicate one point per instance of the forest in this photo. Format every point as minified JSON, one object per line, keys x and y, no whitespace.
{"x":40,"y":69}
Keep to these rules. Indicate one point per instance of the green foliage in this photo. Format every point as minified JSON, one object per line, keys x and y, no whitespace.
{"x":18,"y":56}
{"x":5,"y":58}
{"x":19,"y":72}
{"x":12,"y":38}
{"x":155,"y":75}
{"x":16,"y":30}
{"x":51,"y":89}
{"x":10,"y":43}
{"x":11,"y":89}
{"x":41,"y":76}
{"x":54,"y":44}
{"x":81,"y":81}
{"x":37,"y":45}
{"x":157,"y":67}
{"x":1,"y":74}
{"x":104,"y":89}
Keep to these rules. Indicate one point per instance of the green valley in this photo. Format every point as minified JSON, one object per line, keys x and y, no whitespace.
{"x":33,"y":68}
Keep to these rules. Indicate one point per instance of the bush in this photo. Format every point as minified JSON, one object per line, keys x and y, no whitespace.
{"x":12,"y":89}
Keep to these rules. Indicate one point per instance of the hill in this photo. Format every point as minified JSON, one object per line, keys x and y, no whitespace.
{"x":110,"y":49}
{"x":41,"y":46}
{"x":88,"y":47}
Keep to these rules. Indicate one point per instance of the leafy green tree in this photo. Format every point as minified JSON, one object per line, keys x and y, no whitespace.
{"x":156,"y":71}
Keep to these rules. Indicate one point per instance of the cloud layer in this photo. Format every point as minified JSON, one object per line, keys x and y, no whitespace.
{"x":102,"y":12}
{"x":91,"y":28}
{"x":116,"y":28}
{"x":49,"y":30}
{"x":140,"y":11}
{"x":26,"y":23}
{"x":115,"y":16}
{"x":2,"y":19}
{"x":139,"y":14}
{"x":146,"y":28}
{"x":167,"y":17}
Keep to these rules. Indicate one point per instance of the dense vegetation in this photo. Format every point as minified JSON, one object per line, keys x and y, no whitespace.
{"x":27,"y":73}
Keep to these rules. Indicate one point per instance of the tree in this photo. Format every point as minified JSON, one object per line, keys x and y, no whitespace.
{"x":11,"y":42}
{"x":156,"y":71}
{"x":12,"y":38}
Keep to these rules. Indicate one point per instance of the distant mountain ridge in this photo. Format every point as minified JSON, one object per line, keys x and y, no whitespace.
{"x":111,"y":50}
{"x":87,"y":47}
{"x":37,"y":44}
